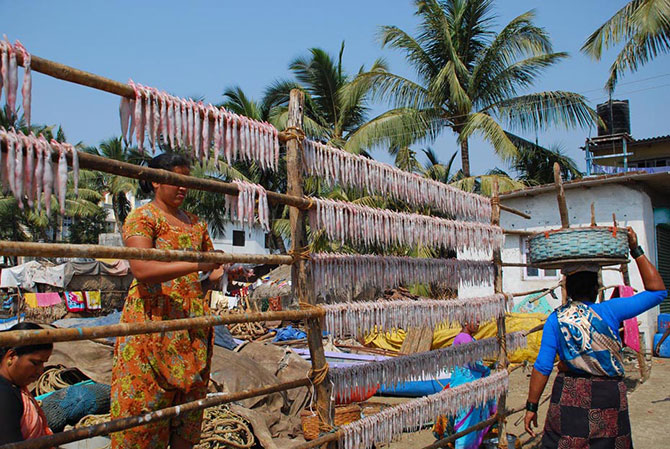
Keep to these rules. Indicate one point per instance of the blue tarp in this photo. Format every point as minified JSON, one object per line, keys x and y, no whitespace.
{"x":288,"y":333}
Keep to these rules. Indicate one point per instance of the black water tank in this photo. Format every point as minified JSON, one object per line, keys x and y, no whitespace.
{"x":616,"y":116}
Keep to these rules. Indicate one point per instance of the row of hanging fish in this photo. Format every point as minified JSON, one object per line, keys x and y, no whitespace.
{"x":336,"y":166}
{"x":366,"y":226}
{"x":355,"y":319}
{"x":390,"y":423}
{"x":33,"y":169}
{"x":9,"y":81}
{"x":344,"y":274}
{"x":208,"y":130}
{"x":394,"y":370}
{"x":242,"y":207}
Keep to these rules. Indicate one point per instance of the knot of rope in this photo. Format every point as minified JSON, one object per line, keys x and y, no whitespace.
{"x":319,"y":375}
{"x":495,"y":201}
{"x":300,"y":253}
{"x":291,"y":133}
{"x":306,"y":305}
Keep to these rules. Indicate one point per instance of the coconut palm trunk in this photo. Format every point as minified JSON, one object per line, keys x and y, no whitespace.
{"x":465,"y":157}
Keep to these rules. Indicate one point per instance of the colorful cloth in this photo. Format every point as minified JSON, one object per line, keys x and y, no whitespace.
{"x":158,"y":370}
{"x":74,"y":302}
{"x":589,"y":345}
{"x":33,"y":421}
{"x":470,"y":416}
{"x":631,"y":331}
{"x":48,"y":299}
{"x":30,"y":299}
{"x":587,"y":412}
{"x":93,"y":301}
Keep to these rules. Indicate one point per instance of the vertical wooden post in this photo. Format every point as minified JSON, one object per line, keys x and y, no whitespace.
{"x":503,"y":361}
{"x":560,"y":196}
{"x":300,"y":275}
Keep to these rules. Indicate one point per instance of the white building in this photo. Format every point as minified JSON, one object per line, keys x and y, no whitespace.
{"x":639,"y":200}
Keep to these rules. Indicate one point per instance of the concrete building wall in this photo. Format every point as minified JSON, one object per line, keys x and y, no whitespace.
{"x":632,"y":208}
{"x":254,"y":240}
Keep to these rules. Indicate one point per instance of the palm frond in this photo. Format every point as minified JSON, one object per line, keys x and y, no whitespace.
{"x":490,"y":130}
{"x":396,"y":38}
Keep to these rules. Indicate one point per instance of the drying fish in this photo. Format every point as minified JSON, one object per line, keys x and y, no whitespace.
{"x":39,"y":173}
{"x":75,"y":167}
{"x":48,"y":176}
{"x":124,"y":116}
{"x":27,"y":83}
{"x":4,"y":66}
{"x":29,"y":171}
{"x":62,"y":175}
{"x":18,"y":171}
{"x":341,"y":274}
{"x":336,"y":166}
{"x":13,"y":78}
{"x":390,"y":423}
{"x":11,"y":161}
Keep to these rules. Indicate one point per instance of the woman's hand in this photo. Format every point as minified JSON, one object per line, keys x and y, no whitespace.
{"x":632,"y":238}
{"x":530,"y":418}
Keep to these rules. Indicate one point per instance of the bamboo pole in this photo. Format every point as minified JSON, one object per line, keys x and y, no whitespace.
{"x":9,"y":248}
{"x":514,"y":211}
{"x":166,"y":413}
{"x":560,"y":196}
{"x":532,"y":292}
{"x":302,"y":284}
{"x":39,"y":336}
{"x":520,"y":232}
{"x":501,"y":327}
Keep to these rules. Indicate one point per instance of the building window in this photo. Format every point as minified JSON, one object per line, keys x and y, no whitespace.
{"x":532,"y":272}
{"x":238,"y":238}
{"x":268,"y":237}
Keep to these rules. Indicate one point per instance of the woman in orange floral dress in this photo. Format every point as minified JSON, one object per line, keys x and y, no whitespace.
{"x":154,"y":371}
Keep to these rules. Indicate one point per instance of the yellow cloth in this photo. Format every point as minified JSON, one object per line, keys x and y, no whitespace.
{"x":444,"y":335}
{"x":30,"y":300}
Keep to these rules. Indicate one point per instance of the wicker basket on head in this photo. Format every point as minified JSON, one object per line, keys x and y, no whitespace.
{"x":344,"y":414}
{"x":598,"y":245}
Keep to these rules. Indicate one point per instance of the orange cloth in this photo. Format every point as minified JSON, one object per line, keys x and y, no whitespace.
{"x":159,"y":370}
{"x":33,"y":422}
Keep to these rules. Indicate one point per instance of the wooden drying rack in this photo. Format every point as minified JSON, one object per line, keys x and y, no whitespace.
{"x":299,"y":270}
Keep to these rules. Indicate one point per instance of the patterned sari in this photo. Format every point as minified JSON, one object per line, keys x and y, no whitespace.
{"x":589,"y":408}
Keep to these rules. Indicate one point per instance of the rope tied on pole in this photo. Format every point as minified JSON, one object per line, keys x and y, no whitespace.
{"x":318,"y":376}
{"x":292,"y":132}
{"x":302,"y":253}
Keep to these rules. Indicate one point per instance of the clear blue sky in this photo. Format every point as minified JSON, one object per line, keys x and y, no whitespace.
{"x":201,"y":47}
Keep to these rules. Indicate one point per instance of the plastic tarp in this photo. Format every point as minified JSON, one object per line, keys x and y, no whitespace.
{"x":444,"y":336}
{"x":30,"y":273}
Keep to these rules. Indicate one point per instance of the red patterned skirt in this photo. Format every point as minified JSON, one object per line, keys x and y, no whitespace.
{"x":587,"y":412}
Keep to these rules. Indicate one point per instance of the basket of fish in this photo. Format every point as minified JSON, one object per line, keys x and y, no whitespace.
{"x":598,"y":245}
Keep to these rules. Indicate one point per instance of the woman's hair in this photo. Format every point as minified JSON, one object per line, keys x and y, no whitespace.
{"x":582,"y":285}
{"x":165,"y":161}
{"x":28,"y":349}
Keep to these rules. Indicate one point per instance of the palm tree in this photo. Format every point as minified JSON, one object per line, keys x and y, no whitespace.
{"x":117,"y":186}
{"x":643,"y":26}
{"x":334,"y":111}
{"x":470,"y":79}
{"x":534,"y":164}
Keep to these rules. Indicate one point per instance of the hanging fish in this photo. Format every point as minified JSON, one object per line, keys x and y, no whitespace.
{"x":29,"y":165}
{"x":18,"y":171}
{"x":48,"y":175}
{"x":75,"y":168}
{"x":39,"y":173}
{"x":11,"y":162}
{"x":124,"y":116}
{"x":13,"y":78}
{"x":27,"y":83}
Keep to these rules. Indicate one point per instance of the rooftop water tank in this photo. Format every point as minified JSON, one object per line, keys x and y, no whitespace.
{"x":616,"y":116}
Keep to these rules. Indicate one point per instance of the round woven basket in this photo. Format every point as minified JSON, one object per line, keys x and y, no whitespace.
{"x":598,"y":245}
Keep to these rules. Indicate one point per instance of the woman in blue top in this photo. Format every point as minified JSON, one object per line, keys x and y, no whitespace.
{"x":588,"y":406}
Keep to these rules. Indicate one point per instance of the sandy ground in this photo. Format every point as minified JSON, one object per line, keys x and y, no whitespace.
{"x":649,"y":404}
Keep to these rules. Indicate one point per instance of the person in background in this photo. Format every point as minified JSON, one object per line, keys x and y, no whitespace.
{"x":589,"y":407}
{"x":21,"y":418}
{"x":475,"y":414}
{"x":158,"y":370}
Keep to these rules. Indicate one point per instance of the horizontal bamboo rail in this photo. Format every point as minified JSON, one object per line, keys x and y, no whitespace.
{"x":88,"y":79}
{"x":39,"y":336}
{"x":166,"y":413}
{"x":532,"y":292}
{"x":520,"y":232}
{"x":10,"y":248}
{"x":514,"y":211}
